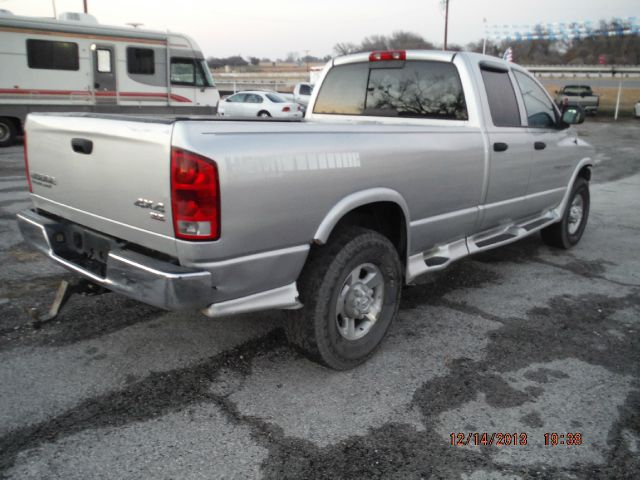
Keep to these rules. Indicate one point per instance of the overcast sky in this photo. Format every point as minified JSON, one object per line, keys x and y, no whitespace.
{"x":272,"y":28}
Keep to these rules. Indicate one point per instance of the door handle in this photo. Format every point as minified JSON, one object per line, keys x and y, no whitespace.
{"x":500,"y":147}
{"x":82,"y":145}
{"x":539,"y":145}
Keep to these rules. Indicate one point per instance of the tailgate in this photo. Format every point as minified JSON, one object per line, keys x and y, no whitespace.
{"x":108,"y":174}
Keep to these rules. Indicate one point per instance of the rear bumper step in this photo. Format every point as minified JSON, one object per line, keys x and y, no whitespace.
{"x":135,"y":275}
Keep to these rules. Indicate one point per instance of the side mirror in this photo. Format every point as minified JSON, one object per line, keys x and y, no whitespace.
{"x":573,"y":115}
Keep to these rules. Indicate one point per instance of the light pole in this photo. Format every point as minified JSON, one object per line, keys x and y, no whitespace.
{"x":446,"y":23}
{"x":86,"y":9}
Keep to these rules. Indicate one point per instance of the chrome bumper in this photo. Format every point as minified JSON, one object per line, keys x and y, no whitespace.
{"x":138,"y":276}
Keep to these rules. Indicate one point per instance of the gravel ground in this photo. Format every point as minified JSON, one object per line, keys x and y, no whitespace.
{"x":524,"y":340}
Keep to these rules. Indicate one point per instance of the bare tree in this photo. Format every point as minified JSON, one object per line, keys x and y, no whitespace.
{"x":344,"y":48}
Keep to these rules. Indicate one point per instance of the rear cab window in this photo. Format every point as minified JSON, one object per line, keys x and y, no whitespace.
{"x":405,"y":89}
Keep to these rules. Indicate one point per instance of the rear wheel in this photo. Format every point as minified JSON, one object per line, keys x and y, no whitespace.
{"x":568,"y":232}
{"x":264,"y":114}
{"x":350,"y":289}
{"x":7,"y":132}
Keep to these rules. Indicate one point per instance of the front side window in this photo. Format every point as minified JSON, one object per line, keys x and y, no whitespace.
{"x":415,"y":89}
{"x":52,"y":55}
{"x":237,"y":98}
{"x":183,"y":71}
{"x":187,"y":71}
{"x":140,"y":61}
{"x":502,"y":98}
{"x":540,"y":111}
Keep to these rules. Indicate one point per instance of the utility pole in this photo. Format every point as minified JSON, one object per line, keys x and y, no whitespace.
{"x":86,"y":9}
{"x":55,"y":13}
{"x":446,"y":23}
{"x":484,"y":41}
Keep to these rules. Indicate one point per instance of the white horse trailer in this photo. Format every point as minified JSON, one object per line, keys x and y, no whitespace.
{"x":75,"y":64}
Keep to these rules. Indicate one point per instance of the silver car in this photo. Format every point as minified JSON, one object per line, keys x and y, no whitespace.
{"x":258,"y":104}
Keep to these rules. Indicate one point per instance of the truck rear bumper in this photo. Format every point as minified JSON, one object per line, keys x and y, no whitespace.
{"x":144,"y":278}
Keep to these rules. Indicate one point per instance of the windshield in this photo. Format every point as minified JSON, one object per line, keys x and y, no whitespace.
{"x":577,"y":90}
{"x":275,"y":98}
{"x":207,"y":74}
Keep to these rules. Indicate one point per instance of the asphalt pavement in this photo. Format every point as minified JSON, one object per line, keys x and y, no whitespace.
{"x":524,"y":340}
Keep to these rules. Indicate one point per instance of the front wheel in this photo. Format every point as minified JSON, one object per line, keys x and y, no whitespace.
{"x":350,"y":289}
{"x":568,"y":232}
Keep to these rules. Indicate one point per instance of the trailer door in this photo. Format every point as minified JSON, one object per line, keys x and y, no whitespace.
{"x":104,"y":74}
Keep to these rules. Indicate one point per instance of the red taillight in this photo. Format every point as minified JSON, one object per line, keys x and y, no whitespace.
{"x":26,"y":163}
{"x":195,"y":196}
{"x":387,"y":55}
{"x":286,"y":109}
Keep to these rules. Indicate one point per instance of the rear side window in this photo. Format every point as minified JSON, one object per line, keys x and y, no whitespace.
{"x":343,"y":90}
{"x":420,"y":89}
{"x":140,"y":61}
{"x":502,"y":98}
{"x":51,"y":55}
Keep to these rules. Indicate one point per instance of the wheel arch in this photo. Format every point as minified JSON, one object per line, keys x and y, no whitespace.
{"x":381,"y":209}
{"x":583,"y":169}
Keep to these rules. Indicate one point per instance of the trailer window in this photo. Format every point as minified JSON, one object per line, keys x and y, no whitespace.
{"x":140,"y":61}
{"x":52,"y":55}
{"x":103,"y":60}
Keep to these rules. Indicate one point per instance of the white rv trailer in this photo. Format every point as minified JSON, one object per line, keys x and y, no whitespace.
{"x":75,"y":64}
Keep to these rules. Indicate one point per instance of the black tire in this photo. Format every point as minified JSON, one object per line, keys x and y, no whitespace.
{"x":264,"y":114}
{"x":314,"y":329}
{"x":559,"y":234}
{"x":7,"y":132}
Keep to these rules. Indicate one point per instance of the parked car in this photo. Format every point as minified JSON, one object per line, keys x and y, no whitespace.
{"x":578,"y":95}
{"x":301,"y":94}
{"x":257,"y":103}
{"x":636,"y":109}
{"x":405,"y":162}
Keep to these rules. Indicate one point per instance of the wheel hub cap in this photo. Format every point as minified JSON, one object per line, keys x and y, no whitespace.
{"x":576,"y":211}
{"x":360,"y":301}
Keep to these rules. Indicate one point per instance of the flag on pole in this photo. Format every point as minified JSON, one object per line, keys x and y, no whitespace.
{"x":508,"y":55}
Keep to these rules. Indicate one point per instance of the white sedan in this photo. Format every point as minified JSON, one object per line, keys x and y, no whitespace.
{"x":258,"y":104}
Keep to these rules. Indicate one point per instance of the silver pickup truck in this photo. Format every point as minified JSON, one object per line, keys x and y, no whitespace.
{"x":405,"y":162}
{"x":578,"y":95}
